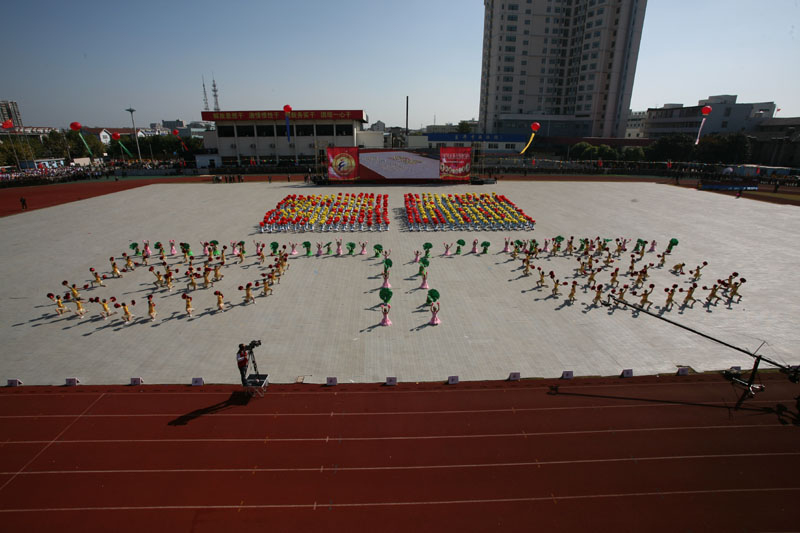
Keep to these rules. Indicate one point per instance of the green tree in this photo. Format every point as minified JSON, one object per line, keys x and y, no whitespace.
{"x":633,"y":153}
{"x":77,"y":148}
{"x":677,"y":147}
{"x":14,"y":148}
{"x":732,"y":149}
{"x":591,"y":153}
{"x":606,"y":153}
{"x":577,"y":150}
{"x":55,"y":145}
{"x":464,"y":127}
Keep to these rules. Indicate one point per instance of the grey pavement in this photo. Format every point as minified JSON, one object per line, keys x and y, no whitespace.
{"x":322,"y":318}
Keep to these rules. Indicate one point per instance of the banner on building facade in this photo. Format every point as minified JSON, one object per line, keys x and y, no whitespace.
{"x":343,"y":163}
{"x":454,"y":163}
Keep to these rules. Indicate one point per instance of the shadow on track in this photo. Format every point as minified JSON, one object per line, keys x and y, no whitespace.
{"x":236,"y":399}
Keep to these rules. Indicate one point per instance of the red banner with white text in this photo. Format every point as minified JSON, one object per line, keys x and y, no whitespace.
{"x":343,"y":163}
{"x":454,"y":163}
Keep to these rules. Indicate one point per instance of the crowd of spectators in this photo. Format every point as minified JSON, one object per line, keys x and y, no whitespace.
{"x":42,"y":176}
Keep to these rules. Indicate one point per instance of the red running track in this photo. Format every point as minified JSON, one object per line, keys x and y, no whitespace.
{"x":39,"y":196}
{"x":641,"y":454}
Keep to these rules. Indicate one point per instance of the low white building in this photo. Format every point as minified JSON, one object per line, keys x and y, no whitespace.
{"x":244,"y":138}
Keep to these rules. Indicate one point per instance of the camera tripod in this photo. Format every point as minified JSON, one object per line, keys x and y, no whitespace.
{"x":256,"y":383}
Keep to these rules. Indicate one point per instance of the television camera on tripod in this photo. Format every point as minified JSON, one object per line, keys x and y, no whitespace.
{"x":255,"y":383}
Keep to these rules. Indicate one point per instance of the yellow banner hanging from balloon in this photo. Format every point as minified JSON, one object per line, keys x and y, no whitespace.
{"x":529,"y":143}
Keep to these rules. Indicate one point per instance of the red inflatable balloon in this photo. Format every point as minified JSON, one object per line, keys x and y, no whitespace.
{"x":8,"y":124}
{"x":535,"y":126}
{"x":287,"y":109}
{"x":115,"y":136}
{"x":175,"y":132}
{"x":75,"y":126}
{"x":706,"y":110}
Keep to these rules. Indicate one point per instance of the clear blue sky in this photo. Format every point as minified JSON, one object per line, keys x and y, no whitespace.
{"x":89,"y":60}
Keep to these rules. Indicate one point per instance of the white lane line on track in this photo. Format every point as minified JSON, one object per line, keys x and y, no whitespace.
{"x":320,"y":469}
{"x":329,"y":414}
{"x":523,"y":434}
{"x":311,"y":506}
{"x":49,"y":443}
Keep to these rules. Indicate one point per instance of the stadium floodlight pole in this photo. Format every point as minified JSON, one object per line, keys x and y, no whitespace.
{"x":406,"y":121}
{"x":131,"y":110}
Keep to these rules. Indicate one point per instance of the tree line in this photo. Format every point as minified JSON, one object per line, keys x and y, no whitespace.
{"x":68,"y":145}
{"x":731,"y":149}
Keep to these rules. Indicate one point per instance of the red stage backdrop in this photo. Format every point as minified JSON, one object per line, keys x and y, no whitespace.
{"x":343,"y":163}
{"x":454,"y":163}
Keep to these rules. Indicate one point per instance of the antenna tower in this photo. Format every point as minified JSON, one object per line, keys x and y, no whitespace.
{"x":205,"y":95}
{"x":215,"y":93}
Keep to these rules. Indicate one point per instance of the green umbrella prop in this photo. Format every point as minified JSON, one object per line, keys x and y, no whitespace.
{"x":135,"y":247}
{"x":351,"y":246}
{"x":385,"y":295}
{"x":485,"y":245}
{"x":214,"y":242}
{"x":560,"y":238}
{"x":423,"y":264}
{"x":518,"y":243}
{"x":328,"y":248}
{"x":673,"y":242}
{"x":427,"y":247}
{"x":307,"y":246}
{"x":378,"y":250}
{"x":433,"y":295}
{"x":274,"y":247}
{"x":460,"y":243}
{"x":387,"y":264}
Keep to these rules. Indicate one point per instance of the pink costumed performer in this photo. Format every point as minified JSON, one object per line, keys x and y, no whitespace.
{"x":652,"y":246}
{"x":385,"y":310}
{"x":338,"y":246}
{"x":424,"y":281}
{"x":172,"y":250}
{"x":505,"y":248}
{"x":416,"y":256}
{"x":447,"y":248}
{"x":319,"y":249}
{"x":147,"y":248}
{"x":475,"y":246}
{"x":363,"y":248}
{"x":386,"y":284}
{"x":435,"y":314}
{"x":294,"y":248}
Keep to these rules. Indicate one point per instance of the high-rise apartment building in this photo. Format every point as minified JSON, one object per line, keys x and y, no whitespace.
{"x":10,"y":110}
{"x":567,"y":64}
